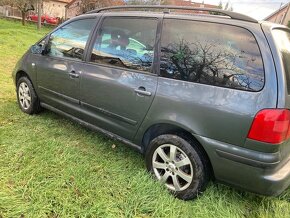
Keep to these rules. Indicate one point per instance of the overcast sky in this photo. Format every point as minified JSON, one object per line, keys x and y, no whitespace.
{"x":258,"y":9}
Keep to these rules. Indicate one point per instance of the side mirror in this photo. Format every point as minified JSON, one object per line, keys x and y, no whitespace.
{"x":48,"y":45}
{"x":38,"y":48}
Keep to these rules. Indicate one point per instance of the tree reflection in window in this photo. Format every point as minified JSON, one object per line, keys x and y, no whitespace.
{"x":200,"y":52}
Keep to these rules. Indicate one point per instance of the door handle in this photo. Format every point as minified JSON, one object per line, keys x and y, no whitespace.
{"x":73,"y":74}
{"x":142,"y":91}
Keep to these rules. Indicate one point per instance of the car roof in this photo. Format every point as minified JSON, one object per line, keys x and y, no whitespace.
{"x":194,"y":17}
{"x":215,"y":16}
{"x":168,"y":9}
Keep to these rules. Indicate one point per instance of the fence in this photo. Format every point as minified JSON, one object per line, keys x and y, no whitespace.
{"x":7,"y":11}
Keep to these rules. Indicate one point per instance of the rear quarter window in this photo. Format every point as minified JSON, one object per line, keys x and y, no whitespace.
{"x":282,"y":39}
{"x":210,"y":53}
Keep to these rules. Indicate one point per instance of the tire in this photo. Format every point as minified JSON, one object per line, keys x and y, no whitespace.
{"x":186,"y":172}
{"x":27,"y":97}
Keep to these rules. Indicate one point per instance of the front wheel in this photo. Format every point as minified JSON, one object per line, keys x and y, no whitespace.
{"x":26,"y":96}
{"x":179,"y":164}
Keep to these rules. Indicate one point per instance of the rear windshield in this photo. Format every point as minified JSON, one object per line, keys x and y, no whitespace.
{"x":282,"y":38}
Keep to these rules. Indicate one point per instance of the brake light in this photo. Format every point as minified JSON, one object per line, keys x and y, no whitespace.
{"x":271,"y":126}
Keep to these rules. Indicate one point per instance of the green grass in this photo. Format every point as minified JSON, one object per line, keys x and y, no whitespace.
{"x":52,"y":167}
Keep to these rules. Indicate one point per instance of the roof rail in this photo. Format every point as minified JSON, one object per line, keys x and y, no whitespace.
{"x":232,"y":15}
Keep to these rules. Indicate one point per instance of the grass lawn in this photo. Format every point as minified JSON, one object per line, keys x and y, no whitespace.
{"x":52,"y":167}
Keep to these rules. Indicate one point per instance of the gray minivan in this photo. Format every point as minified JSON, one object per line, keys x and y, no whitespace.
{"x":202,"y":95}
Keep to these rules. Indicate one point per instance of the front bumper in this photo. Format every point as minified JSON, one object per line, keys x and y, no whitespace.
{"x":255,"y":171}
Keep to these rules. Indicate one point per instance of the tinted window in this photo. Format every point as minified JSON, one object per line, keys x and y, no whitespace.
{"x":126,"y":42}
{"x":214,"y":54}
{"x":70,"y":40}
{"x":282,"y":39}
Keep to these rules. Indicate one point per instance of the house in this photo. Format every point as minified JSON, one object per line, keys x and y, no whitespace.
{"x":55,"y":8}
{"x":189,"y":3}
{"x":74,"y":8}
{"x":281,"y":16}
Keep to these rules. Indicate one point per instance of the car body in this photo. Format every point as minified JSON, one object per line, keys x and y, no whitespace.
{"x":44,"y":19}
{"x":230,"y":119}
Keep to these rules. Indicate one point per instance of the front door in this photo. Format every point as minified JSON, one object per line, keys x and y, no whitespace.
{"x":59,"y":70}
{"x":118,"y":84}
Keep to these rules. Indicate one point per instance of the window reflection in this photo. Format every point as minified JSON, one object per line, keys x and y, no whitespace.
{"x":126,"y":43}
{"x":214,"y":54}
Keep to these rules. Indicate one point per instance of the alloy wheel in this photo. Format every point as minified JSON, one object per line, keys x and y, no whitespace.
{"x":24,"y":95}
{"x":173,"y":167}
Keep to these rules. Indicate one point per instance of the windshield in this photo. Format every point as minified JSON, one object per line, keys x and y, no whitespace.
{"x":282,"y":38}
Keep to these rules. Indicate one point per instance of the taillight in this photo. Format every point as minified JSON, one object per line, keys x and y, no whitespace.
{"x":271,"y":126}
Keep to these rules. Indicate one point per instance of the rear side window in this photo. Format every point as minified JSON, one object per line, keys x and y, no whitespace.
{"x":126,"y":42}
{"x":214,"y":54}
{"x":70,"y":40}
{"x":282,"y":39}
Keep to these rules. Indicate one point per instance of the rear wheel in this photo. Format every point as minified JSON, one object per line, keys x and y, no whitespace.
{"x":179,"y":164}
{"x":26,"y":96}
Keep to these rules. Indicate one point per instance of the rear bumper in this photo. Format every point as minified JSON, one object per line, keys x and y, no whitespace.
{"x":278,"y":181}
{"x":255,"y":171}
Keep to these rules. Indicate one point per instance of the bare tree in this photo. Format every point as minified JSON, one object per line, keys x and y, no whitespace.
{"x":23,"y":6}
{"x":228,"y":6}
{"x":203,"y":63}
{"x":39,"y":13}
{"x":3,"y":2}
{"x":220,"y":5}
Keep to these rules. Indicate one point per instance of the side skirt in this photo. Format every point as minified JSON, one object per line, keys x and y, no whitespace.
{"x":90,"y":126}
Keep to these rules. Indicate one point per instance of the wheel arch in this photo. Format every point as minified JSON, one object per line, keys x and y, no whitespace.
{"x":21,"y":73}
{"x":158,"y":129}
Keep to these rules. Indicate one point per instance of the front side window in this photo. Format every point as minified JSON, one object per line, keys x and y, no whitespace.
{"x":214,"y":54}
{"x":126,"y":42}
{"x":70,"y":40}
